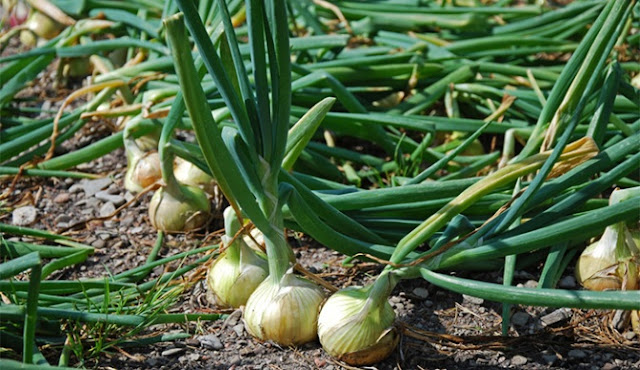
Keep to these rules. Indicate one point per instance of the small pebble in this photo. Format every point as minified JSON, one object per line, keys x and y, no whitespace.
{"x":577,"y":354}
{"x":235,"y":360}
{"x":152,"y":361}
{"x":555,"y":316}
{"x":239,"y":328}
{"x":531,"y":284}
{"x":24,"y":216}
{"x":136,"y":230}
{"x":550,"y":359}
{"x":62,"y":219}
{"x":90,"y":187}
{"x":118,"y":200}
{"x":421,"y":293}
{"x":472,"y":299}
{"x":211,"y":341}
{"x":62,"y":198}
{"x":172,"y":351}
{"x":99,"y":244}
{"x":518,"y":360}
{"x":128,"y":196}
{"x":567,"y":282}
{"x":127,"y":221}
{"x":520,"y":318}
{"x":610,"y":366}
{"x":107,"y":209}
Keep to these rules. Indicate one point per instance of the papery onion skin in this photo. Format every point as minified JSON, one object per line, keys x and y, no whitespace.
{"x":353,"y":331}
{"x":142,"y":171}
{"x":189,"y":174}
{"x":285,"y":312}
{"x":182,"y":212}
{"x":231,"y":283}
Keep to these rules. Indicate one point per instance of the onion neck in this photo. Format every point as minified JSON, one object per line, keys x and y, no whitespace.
{"x":379,"y":292}
{"x":168,"y":177}
{"x":279,"y":253}
{"x":231,"y":227}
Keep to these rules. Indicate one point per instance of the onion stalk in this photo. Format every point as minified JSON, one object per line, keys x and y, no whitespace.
{"x":238,"y":270}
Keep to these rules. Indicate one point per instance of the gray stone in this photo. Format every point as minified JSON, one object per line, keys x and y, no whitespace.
{"x":192,"y":357}
{"x":239,"y":329}
{"x":62,"y":219}
{"x":550,"y":359}
{"x":116,"y":199}
{"x":62,"y":198}
{"x":556,"y":316}
{"x":567,"y":282}
{"x":127,"y":221}
{"x":531,"y":284}
{"x":90,"y":187}
{"x":520,"y":318}
{"x":472,"y":299}
{"x":88,"y":203}
{"x":152,"y":361}
{"x":577,"y":354}
{"x":172,"y":352}
{"x":518,"y":360}
{"x":99,"y":244}
{"x":24,"y":216}
{"x":107,"y":209}
{"x":136,"y":230}
{"x":211,"y":341}
{"x":235,"y":360}
{"x":421,"y":293}
{"x":128,"y":196}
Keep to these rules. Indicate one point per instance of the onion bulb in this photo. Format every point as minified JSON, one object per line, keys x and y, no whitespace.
{"x":142,"y":170}
{"x":612,"y":263}
{"x":183,"y":208}
{"x":189,"y":174}
{"x":356,"y":323}
{"x":284,"y":311}
{"x":238,"y":270}
{"x":42,"y":26}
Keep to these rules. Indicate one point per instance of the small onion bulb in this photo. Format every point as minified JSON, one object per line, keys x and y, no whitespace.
{"x":189,"y":174}
{"x":231,"y":281}
{"x":285,"y":312}
{"x":142,"y":171}
{"x":355,"y":329}
{"x":181,"y":210}
{"x":611,"y":262}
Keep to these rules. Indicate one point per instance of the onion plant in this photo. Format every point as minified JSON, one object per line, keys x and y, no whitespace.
{"x":246,"y":159}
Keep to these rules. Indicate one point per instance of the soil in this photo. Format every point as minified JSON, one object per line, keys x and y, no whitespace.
{"x":440,"y":329}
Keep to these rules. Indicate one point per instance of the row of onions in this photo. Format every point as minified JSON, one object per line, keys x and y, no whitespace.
{"x":356,"y":324}
{"x":239,"y":101}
